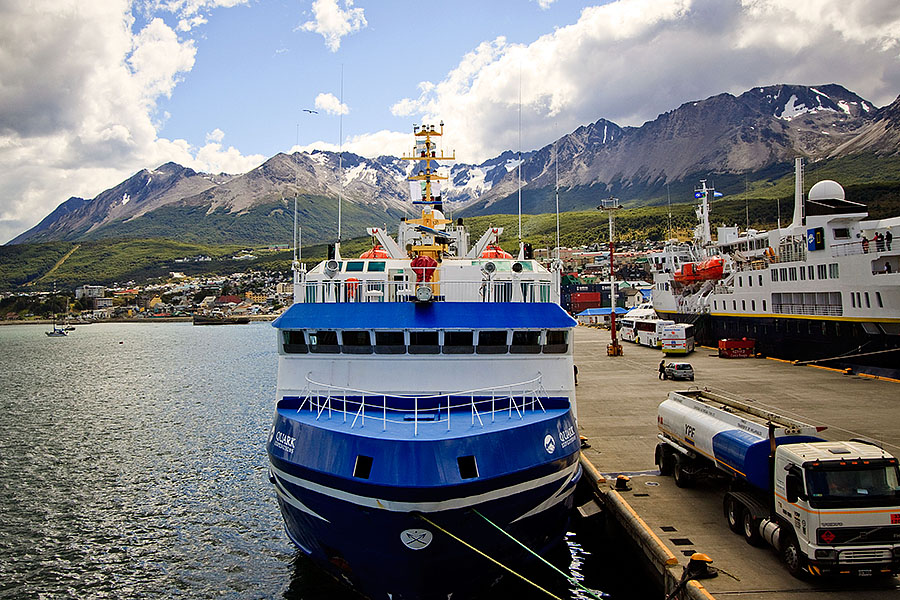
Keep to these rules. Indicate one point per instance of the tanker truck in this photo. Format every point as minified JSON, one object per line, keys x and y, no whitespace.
{"x":828,"y":508}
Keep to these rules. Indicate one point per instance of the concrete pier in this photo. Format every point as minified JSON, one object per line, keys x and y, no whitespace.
{"x":617,"y":401}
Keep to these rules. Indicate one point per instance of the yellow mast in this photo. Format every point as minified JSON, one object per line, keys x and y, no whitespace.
{"x":425,"y":149}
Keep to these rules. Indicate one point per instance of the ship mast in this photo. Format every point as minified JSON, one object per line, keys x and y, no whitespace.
{"x":428,"y":194}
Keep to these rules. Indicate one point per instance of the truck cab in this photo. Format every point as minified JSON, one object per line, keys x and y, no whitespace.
{"x":842,"y":500}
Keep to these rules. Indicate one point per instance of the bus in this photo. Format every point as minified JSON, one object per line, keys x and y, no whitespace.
{"x":649,"y":331}
{"x":678,"y":338}
{"x":625,"y":329}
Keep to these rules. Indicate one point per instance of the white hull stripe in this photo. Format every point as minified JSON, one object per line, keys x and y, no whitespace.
{"x":396,"y":506}
{"x":553,"y":500}
{"x":290,"y":499}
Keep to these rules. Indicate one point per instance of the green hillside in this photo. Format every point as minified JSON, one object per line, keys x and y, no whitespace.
{"x":103,"y":262}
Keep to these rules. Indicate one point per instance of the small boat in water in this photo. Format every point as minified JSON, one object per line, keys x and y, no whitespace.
{"x":57,"y":331}
{"x":425,"y":404}
{"x":220,"y":320}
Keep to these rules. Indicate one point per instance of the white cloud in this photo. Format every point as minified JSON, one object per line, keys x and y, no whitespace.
{"x":216,"y":135}
{"x":331,"y":105}
{"x":630,"y":60}
{"x":333,"y":23}
{"x":545,"y":4}
{"x":78,"y":94}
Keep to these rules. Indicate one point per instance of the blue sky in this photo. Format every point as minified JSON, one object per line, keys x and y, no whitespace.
{"x":92,"y":92}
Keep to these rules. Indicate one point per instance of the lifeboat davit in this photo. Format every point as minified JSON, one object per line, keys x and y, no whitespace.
{"x":376,"y":252}
{"x":711,"y":268}
{"x":495,"y":251}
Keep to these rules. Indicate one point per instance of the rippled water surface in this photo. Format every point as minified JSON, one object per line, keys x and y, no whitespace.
{"x":133,"y":464}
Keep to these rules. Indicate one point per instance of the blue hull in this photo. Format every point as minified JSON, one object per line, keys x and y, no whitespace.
{"x":389,"y":534}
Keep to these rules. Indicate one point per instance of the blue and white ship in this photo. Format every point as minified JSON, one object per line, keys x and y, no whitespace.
{"x":425,"y":395}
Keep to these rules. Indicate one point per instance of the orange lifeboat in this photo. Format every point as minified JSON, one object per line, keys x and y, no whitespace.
{"x":495,"y":251}
{"x":376,"y":252}
{"x":711,"y":268}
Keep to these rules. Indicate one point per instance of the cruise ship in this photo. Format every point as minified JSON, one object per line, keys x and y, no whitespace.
{"x":425,"y":418}
{"x":826,"y":288}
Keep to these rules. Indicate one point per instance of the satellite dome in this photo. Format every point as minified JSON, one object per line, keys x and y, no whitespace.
{"x":826,"y":190}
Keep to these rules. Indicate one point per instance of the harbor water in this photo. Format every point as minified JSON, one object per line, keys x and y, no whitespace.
{"x":133,"y":464}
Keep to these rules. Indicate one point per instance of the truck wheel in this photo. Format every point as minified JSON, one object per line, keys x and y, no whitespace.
{"x":733,"y":514}
{"x":751,"y":529}
{"x":664,"y":459}
{"x":792,"y":557}
{"x":682,"y":479}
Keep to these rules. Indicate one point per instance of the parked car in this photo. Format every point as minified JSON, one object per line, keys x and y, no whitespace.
{"x":680,"y":370}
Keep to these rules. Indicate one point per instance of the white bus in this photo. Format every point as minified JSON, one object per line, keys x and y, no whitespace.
{"x":649,"y":331}
{"x":625,"y":329}
{"x":678,"y":339}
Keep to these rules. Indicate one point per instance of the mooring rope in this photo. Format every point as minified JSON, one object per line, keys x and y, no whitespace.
{"x":493,"y":560}
{"x":568,"y":577}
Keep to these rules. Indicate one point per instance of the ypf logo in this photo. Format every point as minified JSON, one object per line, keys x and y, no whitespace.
{"x":549,"y":444}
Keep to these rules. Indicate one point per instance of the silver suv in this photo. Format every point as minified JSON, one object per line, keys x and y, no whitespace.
{"x":680,"y":370}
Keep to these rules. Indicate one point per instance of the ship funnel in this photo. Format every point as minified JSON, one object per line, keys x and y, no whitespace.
{"x":799,"y":218}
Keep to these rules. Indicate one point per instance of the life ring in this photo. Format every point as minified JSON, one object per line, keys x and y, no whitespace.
{"x":352,"y":287}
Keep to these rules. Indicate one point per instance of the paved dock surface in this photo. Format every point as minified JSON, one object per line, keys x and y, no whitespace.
{"x":617,"y":401}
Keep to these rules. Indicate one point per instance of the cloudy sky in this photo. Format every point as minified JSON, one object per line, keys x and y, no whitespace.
{"x":92,"y":92}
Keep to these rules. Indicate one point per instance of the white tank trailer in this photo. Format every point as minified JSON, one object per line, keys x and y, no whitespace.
{"x":828,"y":508}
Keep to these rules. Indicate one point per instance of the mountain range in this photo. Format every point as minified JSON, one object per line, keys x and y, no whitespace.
{"x":736,"y":139}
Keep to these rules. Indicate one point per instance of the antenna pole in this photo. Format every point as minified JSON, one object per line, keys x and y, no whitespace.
{"x":341,"y":155}
{"x":556,"y":160}
{"x":519,"y":166}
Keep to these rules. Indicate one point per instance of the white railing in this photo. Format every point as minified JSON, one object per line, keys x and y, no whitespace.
{"x":508,"y":401}
{"x":380,"y":290}
{"x":851,"y":248}
{"x":808,"y":309}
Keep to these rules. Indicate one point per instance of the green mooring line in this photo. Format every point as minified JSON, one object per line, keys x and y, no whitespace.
{"x":496,"y":562}
{"x":570,"y":579}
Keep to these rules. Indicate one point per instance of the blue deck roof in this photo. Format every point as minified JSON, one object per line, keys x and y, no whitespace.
{"x":434,"y":315}
{"x":592,"y":312}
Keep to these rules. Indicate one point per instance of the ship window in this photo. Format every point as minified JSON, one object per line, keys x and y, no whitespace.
{"x":760,"y":279}
{"x":743,"y":305}
{"x":774,"y":273}
{"x":858,"y":300}
{"x":715,"y":305}
{"x":802,"y":273}
{"x":852,"y":300}
{"x":734,"y":305}
{"x":750,"y":281}
{"x":868,"y":305}
{"x":468,"y":468}
{"x":811,"y":273}
{"x":841,"y":233}
{"x":323,"y":342}
{"x":793,"y":273}
{"x":389,"y":342}
{"x":833,"y":271}
{"x":458,"y":342}
{"x":375,"y":267}
{"x":356,"y":342}
{"x":294,"y":342}
{"x":764,"y":306}
{"x":492,"y":342}
{"x":782,"y":274}
{"x":878,"y":299}
{"x":753,"y":305}
{"x":822,"y":271}
{"x":526,"y":342}
{"x":557,"y":341}
{"x":424,"y":342}
{"x":363,"y":466}
{"x":740,"y":282}
{"x":355,"y":266}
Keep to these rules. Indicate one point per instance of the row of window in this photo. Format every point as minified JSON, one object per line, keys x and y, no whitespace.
{"x":856,"y":300}
{"x":810,"y":272}
{"x":486,"y":341}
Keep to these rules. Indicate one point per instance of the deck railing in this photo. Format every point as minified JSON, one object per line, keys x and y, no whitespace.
{"x":379,"y":290}
{"x":509,"y":401}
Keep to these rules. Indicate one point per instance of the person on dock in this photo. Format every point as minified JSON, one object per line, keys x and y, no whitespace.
{"x":662,"y":369}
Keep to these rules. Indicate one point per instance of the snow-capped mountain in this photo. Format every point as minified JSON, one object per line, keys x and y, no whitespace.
{"x":759,"y":131}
